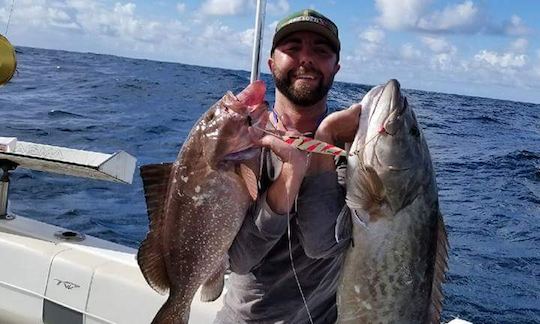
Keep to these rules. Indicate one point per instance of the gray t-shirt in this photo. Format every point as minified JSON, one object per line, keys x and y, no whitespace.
{"x":262,"y":287}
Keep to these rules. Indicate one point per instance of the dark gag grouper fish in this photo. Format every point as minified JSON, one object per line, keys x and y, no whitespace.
{"x":197,"y":204}
{"x":395,"y":266}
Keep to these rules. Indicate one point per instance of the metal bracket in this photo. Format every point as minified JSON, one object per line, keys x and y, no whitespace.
{"x":6,"y":166}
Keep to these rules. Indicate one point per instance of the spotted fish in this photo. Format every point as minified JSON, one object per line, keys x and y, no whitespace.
{"x":197,"y":204}
{"x":395,"y":266}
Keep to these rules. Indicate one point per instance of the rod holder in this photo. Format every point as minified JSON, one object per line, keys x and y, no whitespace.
{"x":6,"y":166}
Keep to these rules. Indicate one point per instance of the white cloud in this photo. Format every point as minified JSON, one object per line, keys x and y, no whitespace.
{"x":464,"y":16}
{"x":246,"y":37}
{"x":439,"y":45}
{"x":400,"y":14}
{"x":505,"y":60}
{"x":273,"y":25}
{"x":224,"y":7}
{"x":444,"y":54}
{"x":409,"y":52}
{"x":59,"y":18}
{"x":519,"y":45}
{"x":515,"y":27}
{"x":282,"y":7}
{"x":371,"y":41}
{"x":181,"y":7}
{"x":373,"y":35}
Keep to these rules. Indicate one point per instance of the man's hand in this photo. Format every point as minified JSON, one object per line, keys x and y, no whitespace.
{"x":281,"y":194}
{"x":286,"y":152}
{"x":340,"y":126}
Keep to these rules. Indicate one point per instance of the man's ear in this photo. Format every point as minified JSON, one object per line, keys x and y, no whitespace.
{"x":336,"y":68}
{"x":271,"y":64}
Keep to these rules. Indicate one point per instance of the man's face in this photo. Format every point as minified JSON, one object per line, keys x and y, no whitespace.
{"x":303,"y":66}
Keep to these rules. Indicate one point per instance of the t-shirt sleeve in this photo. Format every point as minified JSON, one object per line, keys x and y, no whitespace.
{"x":260,"y":231}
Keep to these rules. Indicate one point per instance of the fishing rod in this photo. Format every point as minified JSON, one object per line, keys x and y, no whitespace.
{"x":9,"y":17}
{"x":257,"y":40}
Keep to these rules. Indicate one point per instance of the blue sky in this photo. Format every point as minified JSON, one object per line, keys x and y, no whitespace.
{"x":472,"y":47}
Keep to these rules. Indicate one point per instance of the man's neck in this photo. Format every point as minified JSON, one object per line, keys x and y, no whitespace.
{"x":302,"y":118}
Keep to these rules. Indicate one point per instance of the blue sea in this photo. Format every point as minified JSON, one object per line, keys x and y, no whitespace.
{"x":486,"y":153}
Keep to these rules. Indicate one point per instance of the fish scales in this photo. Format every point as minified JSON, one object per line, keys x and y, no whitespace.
{"x":197,"y":204}
{"x":394,"y":269}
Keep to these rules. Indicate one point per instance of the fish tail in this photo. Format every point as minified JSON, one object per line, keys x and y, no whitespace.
{"x":441,"y":266}
{"x":150,"y":254}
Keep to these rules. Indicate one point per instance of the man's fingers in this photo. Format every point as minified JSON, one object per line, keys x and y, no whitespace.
{"x":356,"y":107}
{"x":255,"y":135}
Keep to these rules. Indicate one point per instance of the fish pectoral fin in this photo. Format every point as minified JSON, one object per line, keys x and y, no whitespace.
{"x":213,"y":286}
{"x":373,"y":198}
{"x":248,"y":172}
{"x":150,"y":254}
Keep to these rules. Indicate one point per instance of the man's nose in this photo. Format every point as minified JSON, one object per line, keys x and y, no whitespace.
{"x":306,"y":56}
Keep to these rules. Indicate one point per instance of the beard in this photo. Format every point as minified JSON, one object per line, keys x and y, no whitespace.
{"x":302,"y":95}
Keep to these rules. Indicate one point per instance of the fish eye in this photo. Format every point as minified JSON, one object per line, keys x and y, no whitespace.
{"x":414,"y":131}
{"x":210,"y":116}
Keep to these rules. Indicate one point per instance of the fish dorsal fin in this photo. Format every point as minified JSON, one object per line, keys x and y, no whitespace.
{"x":441,"y":266}
{"x":150,"y":255}
{"x":248,"y":171}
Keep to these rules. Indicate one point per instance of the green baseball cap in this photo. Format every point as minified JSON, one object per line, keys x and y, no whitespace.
{"x":307,"y":20}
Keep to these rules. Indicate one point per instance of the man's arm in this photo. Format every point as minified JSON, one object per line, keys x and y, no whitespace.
{"x":261,"y":230}
{"x":322,"y":213}
{"x":267,"y":222}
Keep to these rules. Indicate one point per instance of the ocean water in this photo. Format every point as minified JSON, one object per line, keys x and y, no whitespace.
{"x":486,"y":153}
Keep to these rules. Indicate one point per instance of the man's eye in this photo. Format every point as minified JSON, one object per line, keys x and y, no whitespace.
{"x":292,"y":48}
{"x":323,"y":50}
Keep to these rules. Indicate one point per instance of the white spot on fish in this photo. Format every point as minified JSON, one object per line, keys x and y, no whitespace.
{"x":199,"y":199}
{"x":185,"y":179}
{"x":357,"y":289}
{"x":197,"y":189}
{"x":366,"y":305}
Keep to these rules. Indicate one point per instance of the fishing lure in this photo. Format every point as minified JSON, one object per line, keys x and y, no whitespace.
{"x":312,"y":145}
{"x":305,"y":143}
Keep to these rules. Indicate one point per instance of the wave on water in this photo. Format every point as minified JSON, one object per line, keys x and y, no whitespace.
{"x":63,"y":114}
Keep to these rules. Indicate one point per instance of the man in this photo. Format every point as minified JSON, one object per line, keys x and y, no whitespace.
{"x":281,"y":275}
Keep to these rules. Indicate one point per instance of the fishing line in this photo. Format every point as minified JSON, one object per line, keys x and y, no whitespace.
{"x":290,"y":252}
{"x":358,"y":150}
{"x":9,"y":17}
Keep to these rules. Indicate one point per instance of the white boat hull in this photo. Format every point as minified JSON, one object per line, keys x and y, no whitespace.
{"x":44,"y":279}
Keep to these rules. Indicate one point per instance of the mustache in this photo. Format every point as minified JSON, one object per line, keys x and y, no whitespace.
{"x":303,"y":70}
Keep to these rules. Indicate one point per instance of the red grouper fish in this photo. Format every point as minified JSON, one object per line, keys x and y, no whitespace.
{"x":197,"y":204}
{"x":394,"y":269}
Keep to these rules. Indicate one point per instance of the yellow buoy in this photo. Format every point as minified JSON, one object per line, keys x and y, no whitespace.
{"x":8,"y":62}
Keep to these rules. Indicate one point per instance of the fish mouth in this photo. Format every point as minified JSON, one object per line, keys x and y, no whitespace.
{"x":390,"y":105}
{"x":244,"y":154}
{"x":397,"y":169}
